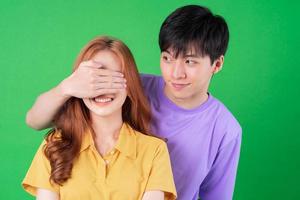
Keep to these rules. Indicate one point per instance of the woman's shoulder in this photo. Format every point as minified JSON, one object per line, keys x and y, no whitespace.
{"x":149,"y":141}
{"x":149,"y":138}
{"x":146,"y":146}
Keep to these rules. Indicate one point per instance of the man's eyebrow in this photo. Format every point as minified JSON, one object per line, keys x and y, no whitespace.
{"x":166,"y":51}
{"x":191,"y":55}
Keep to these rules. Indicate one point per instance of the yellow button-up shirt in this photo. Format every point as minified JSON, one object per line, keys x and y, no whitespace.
{"x":137,"y":164}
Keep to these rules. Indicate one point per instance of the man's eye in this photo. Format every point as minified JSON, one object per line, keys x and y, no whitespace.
{"x":166,"y":58}
{"x":190,"y":62}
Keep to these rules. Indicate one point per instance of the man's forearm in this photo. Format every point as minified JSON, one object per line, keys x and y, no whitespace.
{"x":89,"y":80}
{"x":41,"y":115}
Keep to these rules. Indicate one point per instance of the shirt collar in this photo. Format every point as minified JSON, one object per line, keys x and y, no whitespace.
{"x":87,"y":140}
{"x":126,"y":143}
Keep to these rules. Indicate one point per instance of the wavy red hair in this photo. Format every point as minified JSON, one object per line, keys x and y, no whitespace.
{"x":73,"y":119}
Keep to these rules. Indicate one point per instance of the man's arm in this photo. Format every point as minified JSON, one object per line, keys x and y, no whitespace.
{"x":87,"y":81}
{"x":220,"y":181}
{"x":45,"y":107}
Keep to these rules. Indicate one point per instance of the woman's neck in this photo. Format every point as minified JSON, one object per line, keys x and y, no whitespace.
{"x":107,"y":130}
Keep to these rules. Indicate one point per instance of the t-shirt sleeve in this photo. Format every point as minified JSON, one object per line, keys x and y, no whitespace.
{"x":220,"y":181}
{"x":149,"y":82}
{"x":38,"y":174}
{"x":161,"y":176}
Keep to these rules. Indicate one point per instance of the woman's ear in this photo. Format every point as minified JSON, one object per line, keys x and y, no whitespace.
{"x":218,"y":64}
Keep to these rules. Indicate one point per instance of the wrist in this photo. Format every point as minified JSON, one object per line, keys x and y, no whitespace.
{"x":62,"y":89}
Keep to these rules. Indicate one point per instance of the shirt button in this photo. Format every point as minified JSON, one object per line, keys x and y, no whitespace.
{"x":112,"y":152}
{"x":106,"y":162}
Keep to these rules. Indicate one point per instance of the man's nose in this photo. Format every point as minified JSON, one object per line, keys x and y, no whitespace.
{"x":178,"y":71}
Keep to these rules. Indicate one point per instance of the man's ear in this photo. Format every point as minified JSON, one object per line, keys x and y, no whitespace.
{"x":218,"y":64}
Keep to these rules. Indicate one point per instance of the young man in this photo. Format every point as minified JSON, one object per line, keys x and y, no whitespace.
{"x":203,"y":137}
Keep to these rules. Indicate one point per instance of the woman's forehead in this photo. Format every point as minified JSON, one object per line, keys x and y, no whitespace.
{"x":108,"y":60}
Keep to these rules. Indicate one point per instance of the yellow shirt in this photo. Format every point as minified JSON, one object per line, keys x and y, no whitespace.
{"x":137,"y":164}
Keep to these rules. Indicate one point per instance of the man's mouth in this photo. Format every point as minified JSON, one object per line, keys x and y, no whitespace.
{"x":179,"y":86}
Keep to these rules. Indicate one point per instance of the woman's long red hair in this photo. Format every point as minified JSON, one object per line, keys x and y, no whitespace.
{"x":73,"y":119}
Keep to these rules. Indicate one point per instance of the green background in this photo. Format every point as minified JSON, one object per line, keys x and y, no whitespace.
{"x":39,"y":41}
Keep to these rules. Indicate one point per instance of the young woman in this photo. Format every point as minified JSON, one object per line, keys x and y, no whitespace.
{"x":101,"y":148}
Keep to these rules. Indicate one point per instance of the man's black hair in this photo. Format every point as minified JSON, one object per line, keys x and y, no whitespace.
{"x":195,"y":28}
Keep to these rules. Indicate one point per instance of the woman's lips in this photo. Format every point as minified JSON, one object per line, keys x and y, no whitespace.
{"x":103,"y":100}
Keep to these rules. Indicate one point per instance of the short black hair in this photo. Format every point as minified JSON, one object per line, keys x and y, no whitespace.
{"x":194,"y":27}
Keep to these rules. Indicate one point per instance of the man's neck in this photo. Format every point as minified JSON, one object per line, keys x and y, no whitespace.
{"x":189,"y":102}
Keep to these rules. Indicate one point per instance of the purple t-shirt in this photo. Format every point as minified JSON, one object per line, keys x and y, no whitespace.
{"x":204,"y":143}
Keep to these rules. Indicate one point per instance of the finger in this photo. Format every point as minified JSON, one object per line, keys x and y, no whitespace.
{"x":96,"y":64}
{"x":92,"y":64}
{"x":103,"y":91}
{"x":107,"y":91}
{"x":112,"y":79}
{"x":108,"y":72}
{"x":109,"y":85}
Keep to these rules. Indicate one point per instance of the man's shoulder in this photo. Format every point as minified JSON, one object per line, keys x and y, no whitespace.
{"x":223,"y":112}
{"x":149,"y":78}
{"x":227,"y":121}
{"x":151,"y":83}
